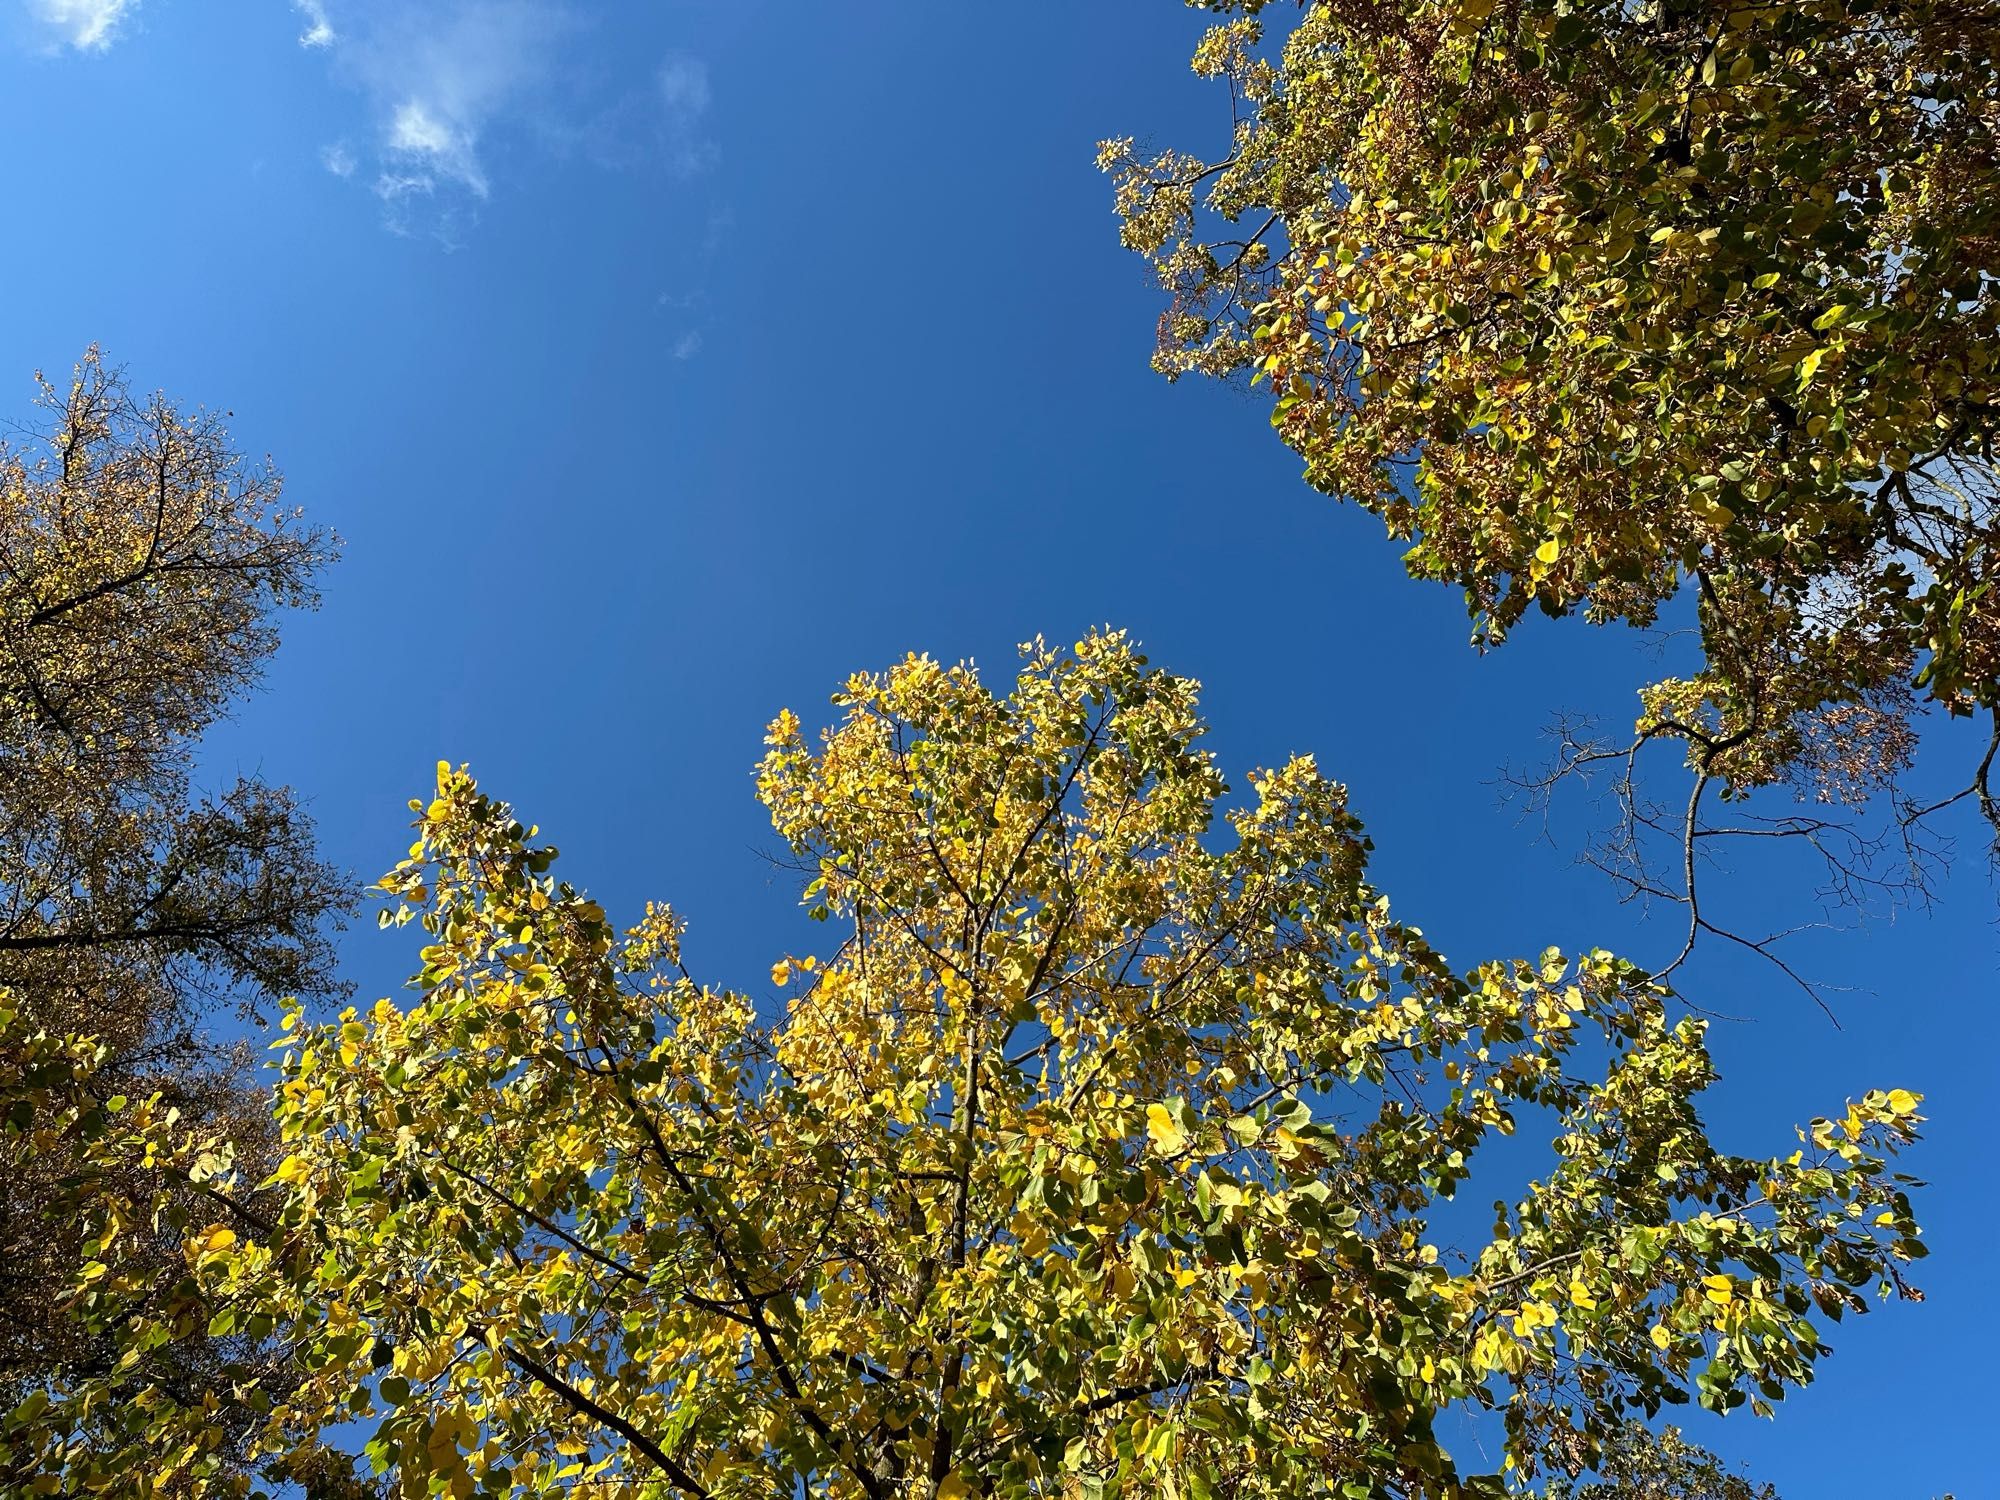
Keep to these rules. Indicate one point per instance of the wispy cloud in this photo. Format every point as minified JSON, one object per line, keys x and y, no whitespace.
{"x":694,"y":301}
{"x":319,"y":31}
{"x":458,"y":93}
{"x":660,"y":125}
{"x":682,"y":84}
{"x":87,"y":25}
{"x":429,"y":144}
{"x":440,"y":77}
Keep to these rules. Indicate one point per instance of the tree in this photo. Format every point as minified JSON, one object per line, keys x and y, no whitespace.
{"x":1594,"y":301}
{"x":1102,"y":1154}
{"x":142,"y":566}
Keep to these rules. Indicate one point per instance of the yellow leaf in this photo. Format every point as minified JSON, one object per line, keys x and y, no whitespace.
{"x":1549,"y":551}
{"x":1903,"y":1102}
{"x":1661,"y":1338}
{"x":1167,"y":1136}
{"x":954,"y":1487}
{"x":781,"y":973}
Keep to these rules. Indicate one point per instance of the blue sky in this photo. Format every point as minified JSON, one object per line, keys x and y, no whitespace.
{"x":661,"y":364}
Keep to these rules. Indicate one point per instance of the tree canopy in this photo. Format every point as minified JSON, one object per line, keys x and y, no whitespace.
{"x":1107,"y":1147}
{"x":1593,"y":301}
{"x":143,"y":563}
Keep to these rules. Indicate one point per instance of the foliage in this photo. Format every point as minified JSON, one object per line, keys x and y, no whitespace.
{"x":142,"y":563}
{"x":72,"y":1191}
{"x":1640,"y":1464}
{"x":1589,"y":299}
{"x":1099,"y":1156}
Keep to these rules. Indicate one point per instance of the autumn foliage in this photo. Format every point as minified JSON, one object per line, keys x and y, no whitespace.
{"x":143,"y":564}
{"x":1593,"y":302}
{"x":1106,"y":1146}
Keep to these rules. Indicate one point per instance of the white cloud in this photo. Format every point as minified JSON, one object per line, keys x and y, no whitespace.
{"x":399,"y":194}
{"x":417,"y":205}
{"x":319,"y":31}
{"x":87,"y":25}
{"x":688,"y":345}
{"x":455,"y":88}
{"x":420,"y":138}
{"x":440,"y":76}
{"x":458,"y":91}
